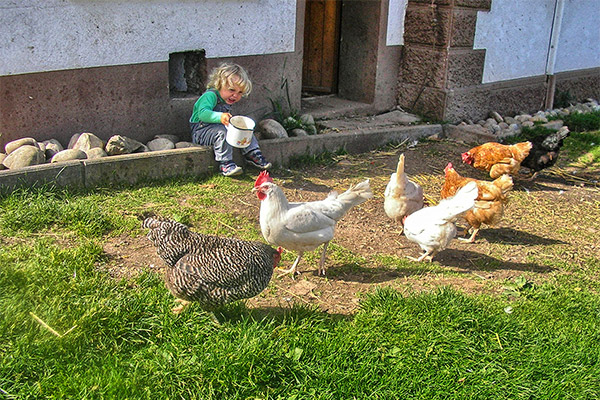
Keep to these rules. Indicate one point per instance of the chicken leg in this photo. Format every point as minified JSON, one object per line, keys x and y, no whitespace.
{"x":472,"y":238}
{"x":322,"y":262}
{"x":292,"y":269}
{"x":427,"y":256}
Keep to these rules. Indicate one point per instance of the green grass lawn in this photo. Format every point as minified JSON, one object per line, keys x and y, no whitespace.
{"x":68,"y":330}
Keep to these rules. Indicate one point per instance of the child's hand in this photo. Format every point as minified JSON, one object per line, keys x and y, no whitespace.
{"x":225,"y":117}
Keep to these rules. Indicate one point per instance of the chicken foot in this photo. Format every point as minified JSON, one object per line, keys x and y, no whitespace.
{"x":292,"y":269}
{"x":427,"y":256}
{"x":182,"y":304}
{"x":472,"y":238}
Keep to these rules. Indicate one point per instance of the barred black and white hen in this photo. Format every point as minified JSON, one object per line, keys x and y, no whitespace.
{"x":210,"y":270}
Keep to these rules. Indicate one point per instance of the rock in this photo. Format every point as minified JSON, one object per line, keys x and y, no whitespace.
{"x":2,"y":157}
{"x":510,"y":120}
{"x":307,"y":119}
{"x":298,"y":132}
{"x":398,"y":117}
{"x":270,"y":129}
{"x":24,"y":156}
{"x":528,"y":124}
{"x":118,"y":144}
{"x":172,"y":138}
{"x":185,"y":145}
{"x":53,"y":146}
{"x":95,"y":152}
{"x":87,"y":141}
{"x":555,"y":125}
{"x":73,"y":140}
{"x":15,"y":144}
{"x":497,"y":117}
{"x":160,"y":144}
{"x":68,"y":155}
{"x":539,"y":118}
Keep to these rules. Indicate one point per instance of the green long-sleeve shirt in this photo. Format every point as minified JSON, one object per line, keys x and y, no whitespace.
{"x":204,"y":106}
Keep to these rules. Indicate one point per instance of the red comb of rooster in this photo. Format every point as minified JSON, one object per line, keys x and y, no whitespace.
{"x":262,"y":178}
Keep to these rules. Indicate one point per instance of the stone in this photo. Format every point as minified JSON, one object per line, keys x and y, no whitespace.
{"x":2,"y":157}
{"x":118,"y":144}
{"x":160,"y":144}
{"x":554,"y":125}
{"x":270,"y":129}
{"x":96,"y":152}
{"x":87,"y":141}
{"x":15,"y":144}
{"x":298,"y":132}
{"x":172,"y":138}
{"x":185,"y":145}
{"x":53,"y":146}
{"x":398,"y":117}
{"x":497,"y":117}
{"x":24,"y":156}
{"x":68,"y":155}
{"x":73,"y":140}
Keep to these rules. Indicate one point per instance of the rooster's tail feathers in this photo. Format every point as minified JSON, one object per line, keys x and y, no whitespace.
{"x":151,"y":223}
{"x":400,"y":170}
{"x":461,"y":202}
{"x":553,"y":141}
{"x":523,"y":149}
{"x":357,"y":194}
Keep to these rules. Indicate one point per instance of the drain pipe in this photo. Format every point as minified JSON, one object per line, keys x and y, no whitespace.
{"x":551,"y":60}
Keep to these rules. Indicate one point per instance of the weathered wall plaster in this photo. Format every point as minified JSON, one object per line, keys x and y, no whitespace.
{"x":48,"y":35}
{"x":516,"y":36}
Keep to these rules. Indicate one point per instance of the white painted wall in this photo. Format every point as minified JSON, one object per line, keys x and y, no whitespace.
{"x":46,"y":35}
{"x":516,"y":36}
{"x":395,"y":23}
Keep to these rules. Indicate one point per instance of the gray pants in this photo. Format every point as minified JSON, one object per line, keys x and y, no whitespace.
{"x":214,"y":135}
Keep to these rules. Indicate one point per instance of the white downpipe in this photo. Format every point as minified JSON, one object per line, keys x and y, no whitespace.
{"x":551,"y":59}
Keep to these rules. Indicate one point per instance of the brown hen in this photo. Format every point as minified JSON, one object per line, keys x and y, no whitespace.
{"x":496,"y":158}
{"x":490,"y":201}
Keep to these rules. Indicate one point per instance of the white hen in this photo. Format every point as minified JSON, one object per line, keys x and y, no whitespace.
{"x":433,"y":228}
{"x":402,"y":196}
{"x":303,"y":226}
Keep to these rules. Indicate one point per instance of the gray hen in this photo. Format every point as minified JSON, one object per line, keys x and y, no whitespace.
{"x":208,"y":269}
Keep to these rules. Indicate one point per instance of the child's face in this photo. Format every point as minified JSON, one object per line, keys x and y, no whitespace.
{"x":231,"y":93}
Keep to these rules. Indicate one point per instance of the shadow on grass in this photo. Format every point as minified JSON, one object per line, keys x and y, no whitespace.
{"x":238,"y":312}
{"x":510,"y":236}
{"x":473,"y":261}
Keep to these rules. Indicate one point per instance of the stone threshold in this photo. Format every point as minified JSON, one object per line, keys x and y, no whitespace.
{"x":130,"y":169}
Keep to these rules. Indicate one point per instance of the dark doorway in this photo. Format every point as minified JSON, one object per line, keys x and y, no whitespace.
{"x":321,"y":47}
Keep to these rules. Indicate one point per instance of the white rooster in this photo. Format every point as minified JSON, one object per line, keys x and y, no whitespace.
{"x":402,"y":196}
{"x":433,"y":228}
{"x":303,"y":226}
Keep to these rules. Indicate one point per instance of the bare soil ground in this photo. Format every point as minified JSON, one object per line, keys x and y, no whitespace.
{"x":552,"y":220}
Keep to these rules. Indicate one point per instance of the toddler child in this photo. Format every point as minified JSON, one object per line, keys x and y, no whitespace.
{"x":227,"y":84}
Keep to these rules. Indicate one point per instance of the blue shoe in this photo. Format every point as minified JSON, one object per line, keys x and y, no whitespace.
{"x":257,"y":160}
{"x":229,"y":168}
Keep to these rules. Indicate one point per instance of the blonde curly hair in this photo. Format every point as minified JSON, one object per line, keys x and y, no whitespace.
{"x":229,"y":74}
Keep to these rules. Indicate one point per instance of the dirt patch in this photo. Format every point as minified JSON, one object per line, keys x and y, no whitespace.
{"x":554,"y":216}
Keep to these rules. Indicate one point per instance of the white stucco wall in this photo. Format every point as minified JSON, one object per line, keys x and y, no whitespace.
{"x":395,"y":23}
{"x":516,"y":36}
{"x":46,"y":35}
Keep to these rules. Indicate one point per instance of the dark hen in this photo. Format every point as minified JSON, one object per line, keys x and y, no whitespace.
{"x":210,"y":270}
{"x":544,"y":151}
